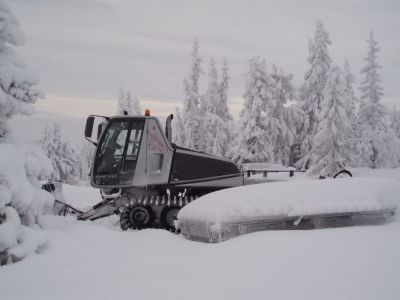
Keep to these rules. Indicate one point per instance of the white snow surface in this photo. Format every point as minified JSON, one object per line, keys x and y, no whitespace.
{"x":95,"y":260}
{"x":296,"y":198}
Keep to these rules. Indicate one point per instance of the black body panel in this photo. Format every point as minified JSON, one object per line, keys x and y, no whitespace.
{"x":191,"y":165}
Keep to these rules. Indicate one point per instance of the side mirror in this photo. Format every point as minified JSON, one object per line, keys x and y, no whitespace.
{"x":89,"y":127}
{"x":95,"y":122}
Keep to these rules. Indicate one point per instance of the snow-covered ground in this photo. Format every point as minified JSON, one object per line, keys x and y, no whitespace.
{"x":95,"y":260}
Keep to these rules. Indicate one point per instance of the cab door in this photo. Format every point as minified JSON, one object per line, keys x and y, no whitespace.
{"x":159,"y":154}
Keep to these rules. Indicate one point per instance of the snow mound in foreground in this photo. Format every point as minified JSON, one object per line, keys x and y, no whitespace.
{"x":295,"y":198}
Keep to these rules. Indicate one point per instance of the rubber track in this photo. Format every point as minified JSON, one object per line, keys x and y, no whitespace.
{"x":160,"y":202}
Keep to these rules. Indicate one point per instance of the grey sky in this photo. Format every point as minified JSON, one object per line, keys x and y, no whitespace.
{"x":85,"y":50}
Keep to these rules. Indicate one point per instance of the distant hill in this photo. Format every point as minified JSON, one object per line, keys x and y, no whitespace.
{"x":30,"y":128}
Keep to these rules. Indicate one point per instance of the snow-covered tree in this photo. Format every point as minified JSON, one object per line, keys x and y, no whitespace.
{"x":212,"y":97}
{"x":277,"y":125}
{"x":372,"y":112}
{"x":208,"y":110}
{"x":191,"y":103}
{"x":351,"y":99}
{"x":22,"y":201}
{"x":16,"y":82}
{"x":64,"y":157}
{"x":375,"y":146}
{"x":128,"y":103}
{"x":252,"y":142}
{"x":222,"y":138}
{"x":204,"y":123}
{"x":329,"y":154}
{"x":215,"y":117}
{"x":395,"y":121}
{"x":222,"y":107}
{"x":311,"y":92}
{"x":224,"y":127}
{"x":350,"y":103}
{"x":295,"y":121}
{"x":178,"y":130}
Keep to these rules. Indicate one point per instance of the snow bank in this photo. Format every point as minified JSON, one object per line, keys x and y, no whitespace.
{"x":22,"y":201}
{"x":295,"y":198}
{"x":89,"y":257}
{"x":88,"y":261}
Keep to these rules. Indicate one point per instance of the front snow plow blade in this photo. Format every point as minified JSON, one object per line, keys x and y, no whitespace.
{"x":100,"y":210}
{"x":212,"y":233}
{"x":60,"y":207}
{"x":64,"y":209}
{"x":105,"y":208}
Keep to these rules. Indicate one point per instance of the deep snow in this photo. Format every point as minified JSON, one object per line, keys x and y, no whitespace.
{"x":95,"y":260}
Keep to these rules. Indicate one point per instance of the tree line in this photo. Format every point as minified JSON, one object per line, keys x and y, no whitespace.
{"x":333,"y":128}
{"x":323,"y":117}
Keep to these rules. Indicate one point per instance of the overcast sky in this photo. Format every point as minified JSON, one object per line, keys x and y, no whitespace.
{"x":85,"y":50}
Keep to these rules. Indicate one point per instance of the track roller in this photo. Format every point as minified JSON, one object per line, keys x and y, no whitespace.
{"x":168,"y":217}
{"x":137,"y":217}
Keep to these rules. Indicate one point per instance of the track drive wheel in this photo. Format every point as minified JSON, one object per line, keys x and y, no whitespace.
{"x":136,"y":217}
{"x":168,"y":216}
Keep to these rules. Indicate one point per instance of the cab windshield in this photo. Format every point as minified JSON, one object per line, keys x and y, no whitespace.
{"x":118,"y":152}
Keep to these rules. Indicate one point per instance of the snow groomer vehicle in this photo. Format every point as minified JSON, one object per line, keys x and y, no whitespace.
{"x":145,"y":177}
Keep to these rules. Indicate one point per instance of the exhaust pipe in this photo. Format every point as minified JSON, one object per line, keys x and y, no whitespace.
{"x":168,"y":128}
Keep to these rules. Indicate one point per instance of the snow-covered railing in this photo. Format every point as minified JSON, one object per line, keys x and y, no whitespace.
{"x":265,"y":168}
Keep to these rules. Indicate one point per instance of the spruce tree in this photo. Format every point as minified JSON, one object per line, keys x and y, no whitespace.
{"x":22,"y":201}
{"x":280,"y":134}
{"x":191,"y":102}
{"x":350,"y":103}
{"x":128,"y":103}
{"x":178,"y":130}
{"x":351,"y":99}
{"x":312,"y":89}
{"x":208,"y":110}
{"x":252,"y":142}
{"x":17,"y":92}
{"x":377,"y":146}
{"x":223,"y":137}
{"x":329,"y":153}
{"x":395,"y":121}
{"x":121,"y":102}
{"x":215,"y":114}
{"x":223,"y":110}
{"x":65,"y":159}
{"x":134,"y":105}
{"x":372,"y":112}
{"x":211,"y":99}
